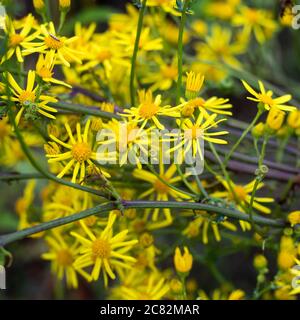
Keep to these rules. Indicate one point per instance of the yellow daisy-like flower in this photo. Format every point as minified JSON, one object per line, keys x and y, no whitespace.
{"x":203,"y":222}
{"x":30,"y":101}
{"x":266,"y":98}
{"x":150,"y":109}
{"x":55,"y":44}
{"x":242,"y":197}
{"x":62,"y":256}
{"x":254,"y":20}
{"x":193,"y":131}
{"x":220,"y":47}
{"x":79,"y":152}
{"x":127,"y":41}
{"x":128,"y":142}
{"x":136,"y":284}
{"x":104,"y":252}
{"x":18,"y":40}
{"x":165,"y":77}
{"x":44,"y":68}
{"x":160,"y":191}
{"x":214,"y":105}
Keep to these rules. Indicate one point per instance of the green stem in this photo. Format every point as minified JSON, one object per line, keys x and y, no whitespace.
{"x":62,"y":20}
{"x":251,"y":125}
{"x":230,"y":213}
{"x":135,"y":51}
{"x":180,"y":50}
{"x":78,"y":108}
{"x":257,"y":181}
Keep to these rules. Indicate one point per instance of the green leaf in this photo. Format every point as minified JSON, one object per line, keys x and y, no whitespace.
{"x":95,"y":14}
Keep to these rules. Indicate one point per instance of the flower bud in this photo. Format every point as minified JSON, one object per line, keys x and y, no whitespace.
{"x":64,"y":5}
{"x":39,"y":5}
{"x":194,"y":84}
{"x":293,"y":119}
{"x":275,"y":119}
{"x":294,"y":218}
{"x":183,"y":263}
{"x":260,"y":262}
{"x":258,"y":130}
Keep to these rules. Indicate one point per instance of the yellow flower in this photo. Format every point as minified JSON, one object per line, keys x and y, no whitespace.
{"x":258,"y":130}
{"x":127,"y":41}
{"x":266,"y":98}
{"x":275,"y":119}
{"x":242,"y":197}
{"x":214,"y":105}
{"x":260,"y":262}
{"x":39,"y":5}
{"x":224,"y":10}
{"x":203,"y":222}
{"x":78,"y":155}
{"x":104,"y":252}
{"x":150,"y":109}
{"x":183,"y":262}
{"x":18,"y":40}
{"x":123,"y":138}
{"x":64,"y":4}
{"x":160,"y":191}
{"x":137,"y":284}
{"x":62,"y":256}
{"x":194,"y":132}
{"x":194,"y":84}
{"x":50,"y":41}
{"x":254,"y":20}
{"x":44,"y":68}
{"x":30,"y":101}
{"x":293,"y":119}
{"x":165,"y":77}
{"x":220,"y":48}
{"x":294,"y":218}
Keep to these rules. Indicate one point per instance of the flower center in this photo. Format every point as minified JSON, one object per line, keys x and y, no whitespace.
{"x":101,"y":249}
{"x":104,"y":55}
{"x":15,"y":40}
{"x":45,"y":73}
{"x":169,"y":72}
{"x":252,"y":16}
{"x":26,"y":96}
{"x":266,"y":99}
{"x":240,"y":192}
{"x":53,"y":43}
{"x":81,"y":151}
{"x":64,"y":257}
{"x":160,"y":186}
{"x":148,"y":110}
